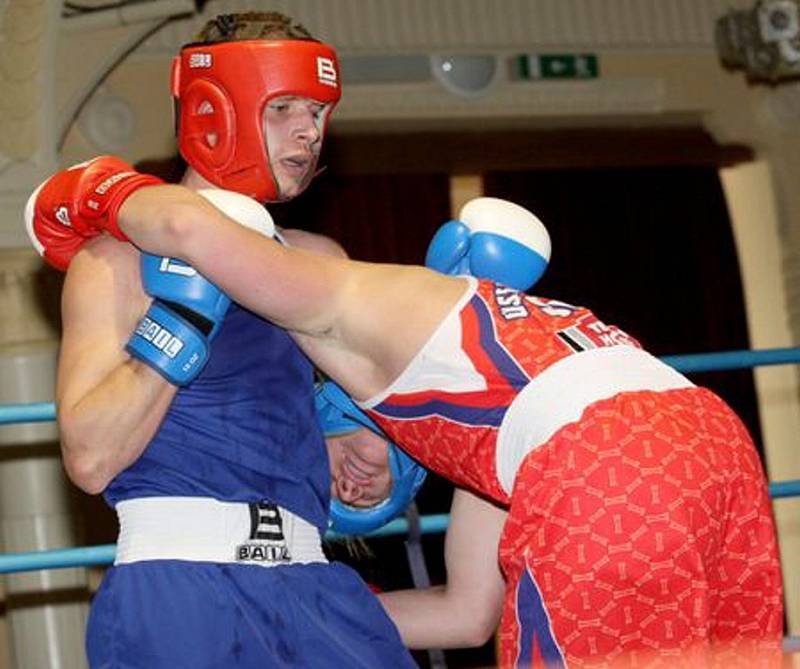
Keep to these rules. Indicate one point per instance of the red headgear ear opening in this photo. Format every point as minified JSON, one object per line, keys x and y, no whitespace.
{"x":208,"y":125}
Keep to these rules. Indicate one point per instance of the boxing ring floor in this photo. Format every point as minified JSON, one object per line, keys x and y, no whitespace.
{"x":101,"y":555}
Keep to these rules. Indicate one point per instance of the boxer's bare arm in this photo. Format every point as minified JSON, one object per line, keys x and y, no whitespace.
{"x":109,"y":405}
{"x":361,"y":323}
{"x":466,"y":610}
{"x":311,"y":241}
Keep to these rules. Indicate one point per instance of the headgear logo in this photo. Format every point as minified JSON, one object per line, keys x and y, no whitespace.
{"x":326,"y":72}
{"x":200,"y":60}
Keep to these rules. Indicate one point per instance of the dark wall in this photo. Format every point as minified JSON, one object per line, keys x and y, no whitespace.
{"x":649,"y":249}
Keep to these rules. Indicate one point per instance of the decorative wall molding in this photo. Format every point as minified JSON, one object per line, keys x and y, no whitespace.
{"x":395,"y":26}
{"x":29,"y":298}
{"x":432,"y":101}
{"x":108,"y":121}
{"x":23,"y":48}
{"x":783,"y":106}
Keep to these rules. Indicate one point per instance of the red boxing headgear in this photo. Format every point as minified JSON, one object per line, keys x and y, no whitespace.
{"x":223,"y":88}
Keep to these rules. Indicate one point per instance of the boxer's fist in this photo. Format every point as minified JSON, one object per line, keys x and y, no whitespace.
{"x":173,"y":336}
{"x":79,"y":203}
{"x":493,"y":239}
{"x":448,"y":251}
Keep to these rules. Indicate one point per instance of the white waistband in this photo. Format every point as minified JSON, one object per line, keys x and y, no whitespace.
{"x":561,"y":393}
{"x":201,"y":529}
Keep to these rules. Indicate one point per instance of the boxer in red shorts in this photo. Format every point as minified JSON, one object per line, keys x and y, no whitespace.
{"x":639,"y":525}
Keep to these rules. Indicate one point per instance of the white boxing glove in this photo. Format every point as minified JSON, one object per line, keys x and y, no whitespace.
{"x":241,"y":208}
{"x":493,"y":239}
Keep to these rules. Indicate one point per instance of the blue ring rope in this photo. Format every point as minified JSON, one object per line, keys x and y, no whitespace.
{"x":38,"y":412}
{"x":727,"y":360}
{"x":431,"y":524}
{"x":691,"y":362}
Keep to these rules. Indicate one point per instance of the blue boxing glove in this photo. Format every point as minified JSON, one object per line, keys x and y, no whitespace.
{"x":493,"y":239}
{"x":187,"y":310}
{"x":338,"y":414}
{"x":173,"y":336}
{"x":448,"y":251}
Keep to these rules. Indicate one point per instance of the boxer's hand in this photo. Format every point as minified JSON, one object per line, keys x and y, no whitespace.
{"x":79,"y":203}
{"x":448,"y":251}
{"x":174,"y":335}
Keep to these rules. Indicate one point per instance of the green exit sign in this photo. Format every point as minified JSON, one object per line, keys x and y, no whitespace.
{"x":558,"y":66}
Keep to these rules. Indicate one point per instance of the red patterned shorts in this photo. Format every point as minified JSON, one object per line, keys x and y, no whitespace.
{"x":642,"y":535}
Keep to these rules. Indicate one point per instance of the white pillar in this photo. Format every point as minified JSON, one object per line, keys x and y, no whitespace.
{"x":46,"y":610}
{"x":760,"y":245}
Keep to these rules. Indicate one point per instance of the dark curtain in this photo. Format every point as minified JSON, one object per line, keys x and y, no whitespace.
{"x":648,"y":249}
{"x":378,"y":218}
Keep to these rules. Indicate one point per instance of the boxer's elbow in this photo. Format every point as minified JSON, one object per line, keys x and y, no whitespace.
{"x":478,"y":628}
{"x":87,"y":473}
{"x":86,"y":464}
{"x":476,"y":611}
{"x":177,"y":222}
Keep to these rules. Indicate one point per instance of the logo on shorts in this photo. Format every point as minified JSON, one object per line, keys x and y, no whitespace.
{"x":326,"y":72}
{"x":267,"y":542}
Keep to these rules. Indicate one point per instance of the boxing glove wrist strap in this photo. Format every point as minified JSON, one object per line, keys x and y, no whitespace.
{"x":170,"y":344}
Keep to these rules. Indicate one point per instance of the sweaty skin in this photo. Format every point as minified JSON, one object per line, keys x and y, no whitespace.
{"x":294,"y":139}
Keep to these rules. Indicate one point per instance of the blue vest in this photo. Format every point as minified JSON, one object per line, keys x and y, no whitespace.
{"x":244,"y":430}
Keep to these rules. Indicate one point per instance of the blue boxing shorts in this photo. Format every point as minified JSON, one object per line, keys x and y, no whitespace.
{"x":172,"y":614}
{"x":155,"y":613}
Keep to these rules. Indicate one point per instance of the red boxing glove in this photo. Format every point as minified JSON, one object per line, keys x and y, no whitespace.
{"x":79,"y":203}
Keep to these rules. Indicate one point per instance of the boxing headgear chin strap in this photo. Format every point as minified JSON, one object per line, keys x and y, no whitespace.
{"x":338,"y":414}
{"x":223,"y":88}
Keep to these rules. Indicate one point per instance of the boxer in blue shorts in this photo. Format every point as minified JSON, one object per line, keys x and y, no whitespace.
{"x":196,"y":420}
